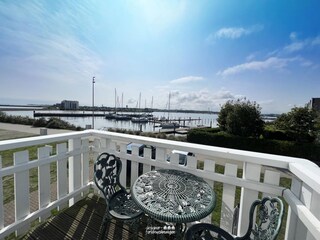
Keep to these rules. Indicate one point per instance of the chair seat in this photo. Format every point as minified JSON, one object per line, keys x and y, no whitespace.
{"x":207,"y":231}
{"x":121,"y":206}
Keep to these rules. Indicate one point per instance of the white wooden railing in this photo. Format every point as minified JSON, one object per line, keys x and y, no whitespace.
{"x":253,"y":173}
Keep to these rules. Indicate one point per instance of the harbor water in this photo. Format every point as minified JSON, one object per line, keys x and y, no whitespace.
{"x":197,"y":119}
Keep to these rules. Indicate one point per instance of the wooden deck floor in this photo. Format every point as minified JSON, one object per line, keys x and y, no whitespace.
{"x":84,"y":221}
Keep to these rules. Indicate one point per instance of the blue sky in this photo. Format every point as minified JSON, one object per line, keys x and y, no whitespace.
{"x":201,"y":52}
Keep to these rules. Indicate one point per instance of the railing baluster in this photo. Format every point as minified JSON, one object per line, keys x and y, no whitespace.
{"x":147,"y":155}
{"x":314,"y":208}
{"x":134,"y":164}
{"x":1,"y":198}
{"x":209,"y":166}
{"x":228,"y":197}
{"x":271,"y":177}
{"x":160,"y":155}
{"x":123,"y":174}
{"x":62,"y":178}
{"x":191,"y":162}
{"x":295,"y":228}
{"x":250,"y":172}
{"x":21,"y":190}
{"x":85,"y":164}
{"x":307,"y":198}
{"x":74,"y":169}
{"x":44,"y":180}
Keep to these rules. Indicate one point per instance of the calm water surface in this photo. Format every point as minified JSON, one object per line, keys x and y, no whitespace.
{"x":101,"y":122}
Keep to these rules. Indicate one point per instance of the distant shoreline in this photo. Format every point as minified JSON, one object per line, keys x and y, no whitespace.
{"x":4,"y":107}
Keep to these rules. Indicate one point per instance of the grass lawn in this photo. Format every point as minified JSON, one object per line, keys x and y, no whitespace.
{"x":8,"y":134}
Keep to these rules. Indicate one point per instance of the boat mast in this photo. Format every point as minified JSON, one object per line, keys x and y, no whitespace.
{"x":122,"y":101}
{"x":169,"y":106}
{"x":152,"y":102}
{"x":115,"y":100}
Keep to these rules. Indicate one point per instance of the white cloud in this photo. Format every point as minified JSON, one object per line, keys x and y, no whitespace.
{"x":315,"y":41}
{"x":250,"y":57}
{"x":270,"y":63}
{"x":299,"y":45}
{"x":233,"y":32}
{"x":294,"y":47}
{"x":265,"y":102}
{"x":187,"y":79}
{"x":293,"y":36}
{"x":202,"y":99}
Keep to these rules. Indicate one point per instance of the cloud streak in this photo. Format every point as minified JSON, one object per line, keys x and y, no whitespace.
{"x":233,"y":32}
{"x":200,"y":99}
{"x":270,"y":63}
{"x":187,"y":79}
{"x":299,"y":45}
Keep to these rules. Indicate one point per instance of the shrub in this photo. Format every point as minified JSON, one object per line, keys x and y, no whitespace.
{"x":40,"y":122}
{"x":298,"y":123}
{"x":241,"y":118}
{"x":59,"y":124}
{"x":277,"y":135}
{"x":309,"y":151}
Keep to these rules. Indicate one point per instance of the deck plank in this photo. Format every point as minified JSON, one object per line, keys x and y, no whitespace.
{"x":84,"y":221}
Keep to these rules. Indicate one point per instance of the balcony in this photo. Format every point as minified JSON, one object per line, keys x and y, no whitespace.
{"x":40,"y":175}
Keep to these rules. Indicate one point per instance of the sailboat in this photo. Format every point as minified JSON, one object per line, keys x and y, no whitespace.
{"x":169,"y":125}
{"x":142,"y":118}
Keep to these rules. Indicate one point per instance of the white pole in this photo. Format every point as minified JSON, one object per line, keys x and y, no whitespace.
{"x":93,"y":82}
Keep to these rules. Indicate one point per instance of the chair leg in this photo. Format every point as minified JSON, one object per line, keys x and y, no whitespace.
{"x":106,"y":220}
{"x":103,"y":234}
{"x":135,"y":227}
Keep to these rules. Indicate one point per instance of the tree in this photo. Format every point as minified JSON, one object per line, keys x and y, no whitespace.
{"x":300,"y":121}
{"x":241,"y":117}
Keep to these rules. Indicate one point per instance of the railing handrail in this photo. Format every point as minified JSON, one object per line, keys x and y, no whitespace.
{"x":31,"y":141}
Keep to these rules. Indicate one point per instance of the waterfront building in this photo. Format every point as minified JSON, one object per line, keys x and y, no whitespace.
{"x":69,"y":105}
{"x":314,"y":104}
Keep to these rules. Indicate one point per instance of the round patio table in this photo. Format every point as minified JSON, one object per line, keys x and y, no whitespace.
{"x":173,"y":196}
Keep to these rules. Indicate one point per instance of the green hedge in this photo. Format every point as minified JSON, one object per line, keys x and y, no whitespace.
{"x":40,"y":122}
{"x":287,"y":136}
{"x":309,"y":151}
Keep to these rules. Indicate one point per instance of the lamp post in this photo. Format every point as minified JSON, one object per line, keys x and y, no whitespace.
{"x":93,"y":82}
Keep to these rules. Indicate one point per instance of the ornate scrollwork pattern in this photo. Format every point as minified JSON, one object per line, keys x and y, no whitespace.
{"x":268,"y":220}
{"x":174,"y":196}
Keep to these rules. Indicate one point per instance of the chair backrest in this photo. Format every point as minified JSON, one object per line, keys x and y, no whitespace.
{"x":268,"y":219}
{"x":107,"y":170}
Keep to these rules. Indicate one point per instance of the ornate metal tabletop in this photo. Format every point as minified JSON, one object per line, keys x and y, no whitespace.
{"x":173,"y":196}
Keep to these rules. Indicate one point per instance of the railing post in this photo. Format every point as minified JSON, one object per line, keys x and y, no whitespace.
{"x":123,"y":173}
{"x":313,"y":205}
{"x":248,"y":196}
{"x":147,"y":154}
{"x":44,"y":181}
{"x":160,"y":155}
{"x":295,"y":229}
{"x":271,"y":177}
{"x":209,"y":166}
{"x":134,"y":164}
{"x":62,"y":177}
{"x":21,"y":190}
{"x":228,"y":196}
{"x":74,"y":169}
{"x":1,"y":198}
{"x":85,"y":165}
